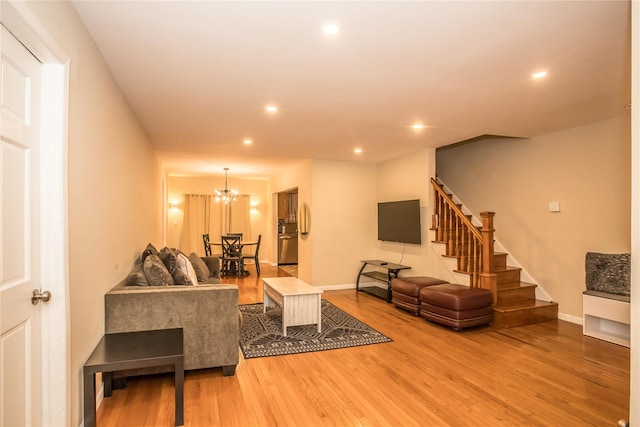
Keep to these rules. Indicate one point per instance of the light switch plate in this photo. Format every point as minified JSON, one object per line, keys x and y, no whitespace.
{"x":554,"y":206}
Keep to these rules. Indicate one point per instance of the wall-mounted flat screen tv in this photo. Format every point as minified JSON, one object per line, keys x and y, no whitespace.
{"x":399,"y":221}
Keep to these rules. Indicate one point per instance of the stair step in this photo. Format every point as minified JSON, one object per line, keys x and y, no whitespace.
{"x":524,"y":313}
{"x":521,"y":292}
{"x":508,"y":276}
{"x":500,"y":260}
{"x":451,"y":229}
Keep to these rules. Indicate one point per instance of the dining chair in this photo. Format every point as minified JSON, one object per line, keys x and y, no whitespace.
{"x":207,"y":245}
{"x":232,"y":261}
{"x":254,"y":256}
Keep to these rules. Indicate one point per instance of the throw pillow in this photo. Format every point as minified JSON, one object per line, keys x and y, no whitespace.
{"x":610,"y":273}
{"x":149,"y":250}
{"x":178,"y":266}
{"x":202,"y":271}
{"x":136,"y":277}
{"x":156,"y":272}
{"x":164,"y":252}
{"x":191,"y":272}
{"x":168,"y":257}
{"x":213,"y":264}
{"x":183,"y":273}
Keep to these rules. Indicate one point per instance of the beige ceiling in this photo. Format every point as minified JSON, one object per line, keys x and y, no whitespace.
{"x":199,"y":74}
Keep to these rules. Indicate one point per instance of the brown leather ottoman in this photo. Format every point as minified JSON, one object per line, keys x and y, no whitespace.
{"x":456,"y":306}
{"x":405,"y":291}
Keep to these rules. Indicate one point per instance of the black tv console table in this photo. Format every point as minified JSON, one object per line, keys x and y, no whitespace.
{"x":392,"y":271}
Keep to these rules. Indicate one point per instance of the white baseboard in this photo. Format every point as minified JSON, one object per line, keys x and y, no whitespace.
{"x":338,"y":287}
{"x":100,"y":395}
{"x":569,"y":318}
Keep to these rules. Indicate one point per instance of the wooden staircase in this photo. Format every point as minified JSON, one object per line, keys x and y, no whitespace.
{"x":472,"y":246}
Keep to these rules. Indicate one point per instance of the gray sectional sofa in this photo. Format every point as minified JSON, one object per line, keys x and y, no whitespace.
{"x":207,"y":312}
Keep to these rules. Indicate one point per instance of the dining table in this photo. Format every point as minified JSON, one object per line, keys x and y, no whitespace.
{"x":241,"y":245}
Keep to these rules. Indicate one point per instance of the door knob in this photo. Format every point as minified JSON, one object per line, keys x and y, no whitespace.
{"x":37,"y":296}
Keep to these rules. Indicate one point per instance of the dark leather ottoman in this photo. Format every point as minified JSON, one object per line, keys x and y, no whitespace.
{"x":456,"y":306}
{"x":405,"y":291}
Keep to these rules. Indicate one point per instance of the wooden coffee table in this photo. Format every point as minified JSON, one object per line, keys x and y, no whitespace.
{"x":300,"y":301}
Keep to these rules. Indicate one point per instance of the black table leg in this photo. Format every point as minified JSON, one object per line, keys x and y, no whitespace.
{"x":89,"y":399}
{"x":107,"y":378}
{"x":179,"y":383}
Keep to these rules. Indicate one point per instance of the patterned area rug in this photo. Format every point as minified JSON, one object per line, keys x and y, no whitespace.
{"x":261,"y":333}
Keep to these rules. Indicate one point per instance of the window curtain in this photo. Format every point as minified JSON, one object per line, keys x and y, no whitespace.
{"x":203,"y":215}
{"x":197,"y":209}
{"x":217,"y":217}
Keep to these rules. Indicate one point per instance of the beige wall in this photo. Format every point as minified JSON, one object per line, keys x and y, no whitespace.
{"x":344,"y":200}
{"x":407,"y":178}
{"x":343,"y":217}
{"x":257,"y":189}
{"x":586,"y":169}
{"x":113,"y":185}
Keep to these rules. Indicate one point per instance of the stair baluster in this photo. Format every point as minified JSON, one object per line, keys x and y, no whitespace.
{"x":441,"y":219}
{"x":463,"y":239}
{"x":448,"y":231}
{"x":464,"y":258}
{"x":445,"y":232}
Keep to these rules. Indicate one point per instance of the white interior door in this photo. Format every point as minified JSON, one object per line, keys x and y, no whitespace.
{"x":20,"y":341}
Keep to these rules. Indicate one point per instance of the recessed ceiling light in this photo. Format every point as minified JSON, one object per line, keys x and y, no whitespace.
{"x":248,"y":141}
{"x":271,"y":108}
{"x":358,"y":150}
{"x":539,"y":74}
{"x":331,"y":29}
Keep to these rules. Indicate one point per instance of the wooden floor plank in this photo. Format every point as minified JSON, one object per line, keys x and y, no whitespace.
{"x":546,"y":374}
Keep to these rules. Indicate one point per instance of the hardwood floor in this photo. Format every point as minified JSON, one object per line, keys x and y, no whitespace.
{"x":546,"y":374}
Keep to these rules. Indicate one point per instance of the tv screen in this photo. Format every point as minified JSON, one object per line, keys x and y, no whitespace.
{"x":399,"y":221}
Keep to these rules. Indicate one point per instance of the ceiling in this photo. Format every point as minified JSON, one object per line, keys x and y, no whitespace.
{"x":199,"y":74}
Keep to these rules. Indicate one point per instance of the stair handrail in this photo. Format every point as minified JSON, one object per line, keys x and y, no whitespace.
{"x":482,"y":273}
{"x":456,"y":209}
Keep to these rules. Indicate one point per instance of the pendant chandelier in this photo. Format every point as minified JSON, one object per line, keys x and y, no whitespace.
{"x":226,"y":195}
